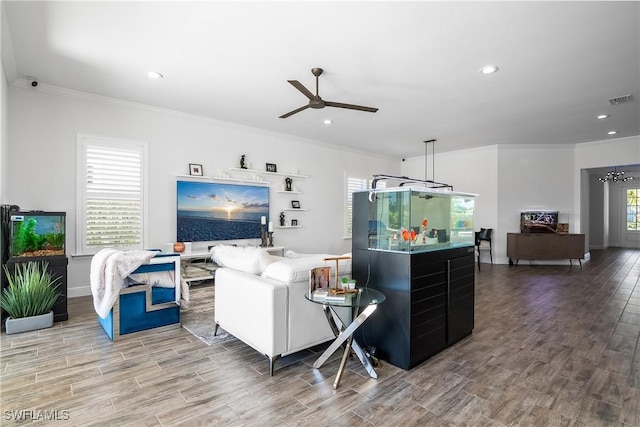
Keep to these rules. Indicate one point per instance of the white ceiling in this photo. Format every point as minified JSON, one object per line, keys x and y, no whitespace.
{"x":418,"y":62}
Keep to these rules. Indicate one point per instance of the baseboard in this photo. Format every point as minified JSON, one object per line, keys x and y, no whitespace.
{"x":81,"y":291}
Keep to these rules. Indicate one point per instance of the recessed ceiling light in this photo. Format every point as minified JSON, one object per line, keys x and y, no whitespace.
{"x":154,"y":75}
{"x":328,"y":121}
{"x":612,"y":132}
{"x":602,"y":116}
{"x":489,"y":69}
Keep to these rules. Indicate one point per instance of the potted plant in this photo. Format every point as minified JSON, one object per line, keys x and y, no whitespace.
{"x":29,"y":298}
{"x":348,"y":283}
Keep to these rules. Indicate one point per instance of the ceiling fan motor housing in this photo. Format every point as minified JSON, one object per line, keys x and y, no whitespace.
{"x":316,"y":103}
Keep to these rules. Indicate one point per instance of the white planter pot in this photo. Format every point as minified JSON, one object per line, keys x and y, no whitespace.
{"x":24,"y":324}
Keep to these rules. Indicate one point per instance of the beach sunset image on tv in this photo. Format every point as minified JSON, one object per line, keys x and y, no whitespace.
{"x":210,"y":211}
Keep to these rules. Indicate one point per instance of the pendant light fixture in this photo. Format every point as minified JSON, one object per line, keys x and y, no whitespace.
{"x":615,"y":176}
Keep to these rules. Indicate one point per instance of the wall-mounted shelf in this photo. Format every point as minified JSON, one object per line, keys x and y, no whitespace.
{"x":288,"y":226}
{"x":289,"y":192}
{"x":295,"y":209}
{"x":214,"y":178}
{"x":293,"y":175}
{"x":195,"y":177}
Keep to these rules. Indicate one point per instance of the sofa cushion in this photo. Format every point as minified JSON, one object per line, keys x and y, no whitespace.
{"x":291,"y":270}
{"x":249,"y":259}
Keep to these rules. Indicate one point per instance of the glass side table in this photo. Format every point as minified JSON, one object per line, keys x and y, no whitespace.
{"x":362,"y":304}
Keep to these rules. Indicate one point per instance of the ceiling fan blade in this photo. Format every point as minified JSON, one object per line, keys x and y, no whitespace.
{"x":290,"y":113}
{"x":350,"y":106}
{"x":302,"y":89}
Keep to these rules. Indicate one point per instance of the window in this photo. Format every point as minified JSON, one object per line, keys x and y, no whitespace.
{"x":111,"y":194}
{"x":355,"y":184}
{"x":633,"y":209}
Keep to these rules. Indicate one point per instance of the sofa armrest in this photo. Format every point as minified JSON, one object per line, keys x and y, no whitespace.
{"x":253,"y":309}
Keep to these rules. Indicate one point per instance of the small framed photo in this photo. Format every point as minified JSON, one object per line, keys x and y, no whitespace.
{"x":319,"y":279}
{"x":295,"y":204}
{"x":195,"y":169}
{"x":294,"y":222}
{"x":271,"y":167}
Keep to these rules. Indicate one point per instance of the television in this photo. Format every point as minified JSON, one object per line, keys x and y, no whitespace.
{"x":538,"y":221}
{"x":210,"y":211}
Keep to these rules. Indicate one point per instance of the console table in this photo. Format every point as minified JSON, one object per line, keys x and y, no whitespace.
{"x":545,"y":246}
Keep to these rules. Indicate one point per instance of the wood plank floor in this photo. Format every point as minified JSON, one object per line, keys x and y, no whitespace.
{"x":553,"y":345}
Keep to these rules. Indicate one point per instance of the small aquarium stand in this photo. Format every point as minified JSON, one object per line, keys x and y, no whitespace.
{"x":39,"y":236}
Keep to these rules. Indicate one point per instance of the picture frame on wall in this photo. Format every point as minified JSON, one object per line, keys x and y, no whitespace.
{"x":195,"y":169}
{"x":271,"y":167}
{"x":294,"y":222}
{"x":295,"y":204}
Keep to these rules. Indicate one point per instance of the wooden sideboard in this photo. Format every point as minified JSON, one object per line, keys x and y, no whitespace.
{"x":545,"y":246}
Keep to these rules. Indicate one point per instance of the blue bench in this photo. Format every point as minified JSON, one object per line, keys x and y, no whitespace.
{"x":142,"y":307}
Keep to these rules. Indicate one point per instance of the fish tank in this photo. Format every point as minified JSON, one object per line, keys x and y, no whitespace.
{"x":539,"y":221}
{"x":37,"y":234}
{"x":417,"y":219}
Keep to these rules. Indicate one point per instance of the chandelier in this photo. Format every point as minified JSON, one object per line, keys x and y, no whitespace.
{"x":615,"y":176}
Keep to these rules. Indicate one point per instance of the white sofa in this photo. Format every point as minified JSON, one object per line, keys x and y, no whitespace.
{"x":261,"y":302}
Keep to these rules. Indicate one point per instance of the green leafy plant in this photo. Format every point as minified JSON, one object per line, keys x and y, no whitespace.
{"x":25,"y":238}
{"x":31,"y":292}
{"x":53,"y":240}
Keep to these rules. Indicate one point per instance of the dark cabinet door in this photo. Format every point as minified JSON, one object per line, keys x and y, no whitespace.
{"x":428,"y":308}
{"x":461,"y":298}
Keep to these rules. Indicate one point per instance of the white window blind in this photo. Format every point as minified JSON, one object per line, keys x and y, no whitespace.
{"x":112,"y":202}
{"x":355,"y":184}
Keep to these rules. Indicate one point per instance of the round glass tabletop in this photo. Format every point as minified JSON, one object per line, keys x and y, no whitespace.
{"x":363,"y":298}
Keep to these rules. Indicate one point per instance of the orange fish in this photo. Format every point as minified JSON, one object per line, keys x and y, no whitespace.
{"x":425,"y":223}
{"x":413,"y":235}
{"x":405,"y":235}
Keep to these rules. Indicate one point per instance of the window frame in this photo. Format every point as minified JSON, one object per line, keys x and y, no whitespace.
{"x":348,"y":200}
{"x":82,"y":143}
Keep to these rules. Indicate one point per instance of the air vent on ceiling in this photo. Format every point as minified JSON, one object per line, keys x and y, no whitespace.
{"x":621,"y":99}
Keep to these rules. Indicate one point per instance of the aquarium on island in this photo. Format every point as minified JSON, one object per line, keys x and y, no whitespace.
{"x":417,"y":219}
{"x":37,"y":234}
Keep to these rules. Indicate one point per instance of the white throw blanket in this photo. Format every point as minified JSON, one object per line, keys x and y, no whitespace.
{"x":109,"y":267}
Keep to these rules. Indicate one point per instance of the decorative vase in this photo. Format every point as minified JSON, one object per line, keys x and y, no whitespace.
{"x":25,"y":324}
{"x":178,"y":247}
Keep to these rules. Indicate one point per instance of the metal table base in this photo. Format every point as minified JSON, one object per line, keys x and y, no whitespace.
{"x":345,"y":334}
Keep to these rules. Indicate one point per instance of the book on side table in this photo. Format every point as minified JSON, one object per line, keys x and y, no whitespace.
{"x":319,"y":294}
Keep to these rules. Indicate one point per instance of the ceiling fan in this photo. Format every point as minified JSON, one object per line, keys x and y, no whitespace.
{"x":316,"y":102}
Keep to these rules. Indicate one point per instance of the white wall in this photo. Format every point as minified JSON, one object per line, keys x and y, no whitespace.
{"x":472,"y":171}
{"x":610,"y":152}
{"x":45,"y":122}
{"x":4,"y":134}
{"x":598,"y":210}
{"x":508,"y":179}
{"x":530,"y":178}
{"x":513,"y":178}
{"x":615,"y":215}
{"x":598,"y":154}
